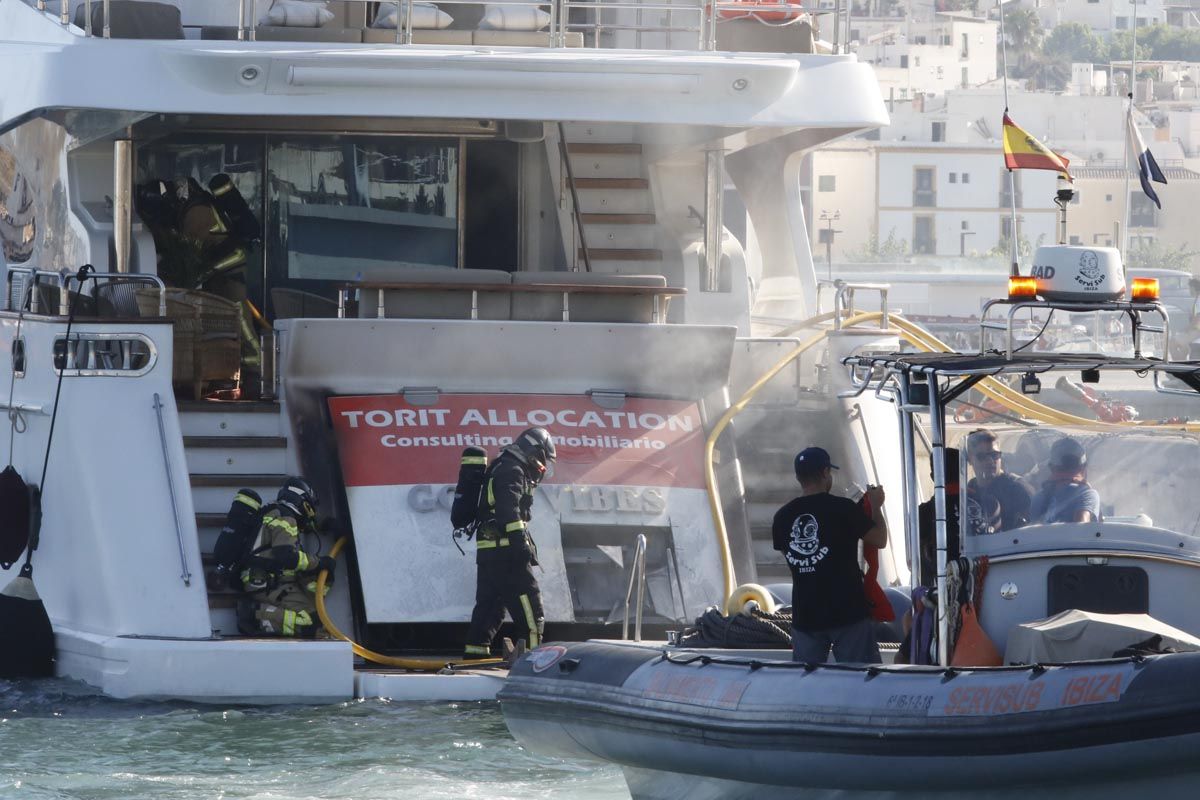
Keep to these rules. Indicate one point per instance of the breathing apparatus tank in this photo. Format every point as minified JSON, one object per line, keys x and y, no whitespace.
{"x":470,"y":483}
{"x":237,"y":536}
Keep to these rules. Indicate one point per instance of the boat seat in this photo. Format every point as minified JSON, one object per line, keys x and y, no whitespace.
{"x":134,"y":19}
{"x":438,"y":294}
{"x":631,"y":297}
{"x":117,"y":299}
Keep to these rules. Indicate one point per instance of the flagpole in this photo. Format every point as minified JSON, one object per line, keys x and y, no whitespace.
{"x":1128,"y":144}
{"x":1014,"y":270}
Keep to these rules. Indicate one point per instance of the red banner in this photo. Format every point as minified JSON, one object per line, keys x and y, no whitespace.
{"x":384,"y":440}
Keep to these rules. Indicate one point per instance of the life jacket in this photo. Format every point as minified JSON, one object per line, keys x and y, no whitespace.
{"x":464,"y":512}
{"x":237,"y":536}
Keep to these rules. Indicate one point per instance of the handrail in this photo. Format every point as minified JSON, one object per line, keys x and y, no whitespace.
{"x":637,"y":572}
{"x":186,"y":574}
{"x":565,"y":157}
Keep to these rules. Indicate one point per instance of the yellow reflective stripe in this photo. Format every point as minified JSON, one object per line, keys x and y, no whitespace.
{"x":303,"y":618}
{"x":289,"y":623}
{"x":514,"y":526}
{"x":491,"y":496}
{"x":223,"y":189}
{"x":247,"y":500}
{"x":474,"y":460}
{"x":485,"y":544}
{"x":477,"y":650}
{"x":530,"y":622}
{"x":302,"y":561}
{"x":280,"y":522}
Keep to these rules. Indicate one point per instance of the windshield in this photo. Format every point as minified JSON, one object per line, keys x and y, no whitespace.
{"x":1052,"y":460}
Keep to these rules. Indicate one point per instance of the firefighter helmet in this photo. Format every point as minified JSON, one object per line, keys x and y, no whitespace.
{"x":536,"y":449}
{"x":298,"y":496}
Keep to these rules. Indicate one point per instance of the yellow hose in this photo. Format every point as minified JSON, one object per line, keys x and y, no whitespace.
{"x":430,"y":664}
{"x":913,"y":333}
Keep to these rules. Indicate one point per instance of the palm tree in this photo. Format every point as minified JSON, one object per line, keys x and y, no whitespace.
{"x":1023,"y":30}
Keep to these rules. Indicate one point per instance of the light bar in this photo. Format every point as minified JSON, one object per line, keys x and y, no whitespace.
{"x":1022,"y":286}
{"x":1144,"y":289}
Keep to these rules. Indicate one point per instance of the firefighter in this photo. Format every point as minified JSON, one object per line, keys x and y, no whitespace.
{"x":505,"y":554}
{"x":279,"y":577}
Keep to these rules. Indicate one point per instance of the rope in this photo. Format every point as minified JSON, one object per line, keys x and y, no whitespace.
{"x":14,"y":414}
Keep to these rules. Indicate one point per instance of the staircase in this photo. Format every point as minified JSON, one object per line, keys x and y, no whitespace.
{"x":615,"y":204}
{"x":229,"y":446}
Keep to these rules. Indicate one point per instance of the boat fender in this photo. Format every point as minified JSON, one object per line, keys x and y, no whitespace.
{"x":747,"y":593}
{"x":14,"y":516}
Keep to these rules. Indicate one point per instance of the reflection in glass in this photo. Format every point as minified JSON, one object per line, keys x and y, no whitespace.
{"x":341,"y":207}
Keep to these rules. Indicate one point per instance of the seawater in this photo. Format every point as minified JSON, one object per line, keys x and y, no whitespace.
{"x":60,"y":740}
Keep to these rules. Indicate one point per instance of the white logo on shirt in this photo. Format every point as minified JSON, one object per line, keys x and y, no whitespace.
{"x":804,"y":549}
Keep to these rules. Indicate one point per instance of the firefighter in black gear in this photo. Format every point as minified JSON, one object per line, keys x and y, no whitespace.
{"x":505,"y":554}
{"x":280,"y":577}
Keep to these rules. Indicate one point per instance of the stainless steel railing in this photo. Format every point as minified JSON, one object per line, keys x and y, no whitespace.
{"x":698,"y":17}
{"x":35,"y":276}
{"x":637,"y":574}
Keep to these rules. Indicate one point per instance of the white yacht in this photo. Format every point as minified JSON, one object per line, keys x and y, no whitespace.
{"x":344,"y":251}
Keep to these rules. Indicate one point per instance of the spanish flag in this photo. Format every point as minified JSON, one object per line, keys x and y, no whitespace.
{"x":1022,"y":151}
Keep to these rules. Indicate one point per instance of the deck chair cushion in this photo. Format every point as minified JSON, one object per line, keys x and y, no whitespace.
{"x":296,"y":14}
{"x":425,"y":17}
{"x":514,"y":18}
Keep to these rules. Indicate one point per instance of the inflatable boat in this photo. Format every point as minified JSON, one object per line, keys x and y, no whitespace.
{"x":1056,"y":647}
{"x":699,"y":725}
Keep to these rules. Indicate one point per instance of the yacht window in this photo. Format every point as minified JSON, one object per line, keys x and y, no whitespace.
{"x":343,"y":206}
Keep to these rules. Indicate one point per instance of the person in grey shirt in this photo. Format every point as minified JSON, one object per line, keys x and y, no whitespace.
{"x":1067,"y":496}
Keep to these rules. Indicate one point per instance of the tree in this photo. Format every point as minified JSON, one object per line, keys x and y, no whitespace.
{"x":1047,"y":74}
{"x":1156,"y":255}
{"x":890,"y":251}
{"x":1023,"y":31}
{"x":1073,"y":42}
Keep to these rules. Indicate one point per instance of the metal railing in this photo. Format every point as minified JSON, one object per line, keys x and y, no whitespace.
{"x":698,"y":17}
{"x":34,"y":277}
{"x":637,"y":574}
{"x":844,"y":296}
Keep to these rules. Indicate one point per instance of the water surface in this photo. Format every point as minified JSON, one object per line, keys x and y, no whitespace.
{"x":59,"y":740}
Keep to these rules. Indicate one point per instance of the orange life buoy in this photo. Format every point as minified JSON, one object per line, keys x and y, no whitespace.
{"x":753,"y":9}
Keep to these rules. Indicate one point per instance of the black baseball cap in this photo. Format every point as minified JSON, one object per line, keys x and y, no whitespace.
{"x":813,"y":458}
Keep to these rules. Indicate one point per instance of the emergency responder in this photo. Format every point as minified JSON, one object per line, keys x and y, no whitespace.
{"x":505,"y":554}
{"x":279,"y":577}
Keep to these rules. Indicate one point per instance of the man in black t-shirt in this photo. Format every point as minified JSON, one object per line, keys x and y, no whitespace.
{"x":1012,"y":493}
{"x":818,"y":535}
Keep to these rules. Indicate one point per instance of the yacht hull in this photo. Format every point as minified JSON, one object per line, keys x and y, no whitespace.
{"x":693,"y":726}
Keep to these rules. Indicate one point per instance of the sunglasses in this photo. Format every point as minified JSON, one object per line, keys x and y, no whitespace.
{"x":994,"y":455}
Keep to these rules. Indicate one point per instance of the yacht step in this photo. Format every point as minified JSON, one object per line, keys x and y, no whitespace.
{"x":581,"y":132}
{"x":622,"y":254}
{"x":618,"y":219}
{"x":605,"y":148}
{"x":213,"y":492}
{"x":640,"y":184}
{"x":614,"y":201}
{"x":604,"y":165}
{"x":230,"y":419}
{"x":235,"y":454}
{"x":622,"y":236}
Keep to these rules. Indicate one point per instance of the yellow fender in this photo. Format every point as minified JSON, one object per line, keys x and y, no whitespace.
{"x":745,"y":593}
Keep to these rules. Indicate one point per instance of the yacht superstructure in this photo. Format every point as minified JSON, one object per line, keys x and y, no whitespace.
{"x":433,"y":243}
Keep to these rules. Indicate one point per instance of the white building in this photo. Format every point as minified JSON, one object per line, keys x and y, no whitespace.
{"x":1102,"y":16}
{"x":952,"y":52}
{"x":939,"y":199}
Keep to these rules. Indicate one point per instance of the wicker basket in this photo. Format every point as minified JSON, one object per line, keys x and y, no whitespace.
{"x":207,"y":335}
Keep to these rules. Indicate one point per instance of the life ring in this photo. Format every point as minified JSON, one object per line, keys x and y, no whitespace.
{"x":746,"y":593}
{"x":751,"y":10}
